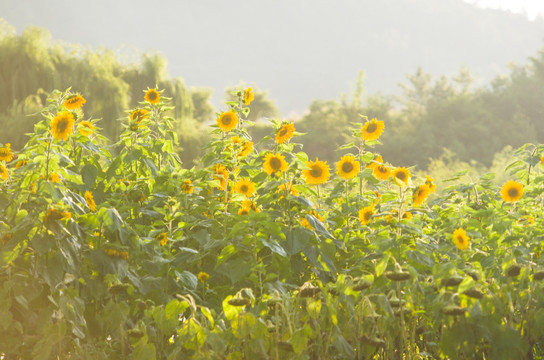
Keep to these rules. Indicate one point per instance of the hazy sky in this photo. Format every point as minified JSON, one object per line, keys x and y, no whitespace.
{"x":532,"y":8}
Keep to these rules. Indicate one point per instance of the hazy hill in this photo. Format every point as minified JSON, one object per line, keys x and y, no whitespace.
{"x":299,"y":50}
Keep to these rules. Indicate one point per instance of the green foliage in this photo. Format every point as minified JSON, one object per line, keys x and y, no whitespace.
{"x":116,"y":251}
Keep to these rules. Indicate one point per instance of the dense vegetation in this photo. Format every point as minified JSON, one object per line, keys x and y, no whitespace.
{"x":117,"y":251}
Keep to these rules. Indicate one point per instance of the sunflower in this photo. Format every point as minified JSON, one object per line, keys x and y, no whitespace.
{"x":248,"y":205}
{"x":511,"y":191}
{"x":249,"y":96}
{"x":62,"y":125}
{"x":3,"y":172}
{"x":138,"y":115}
{"x":152,"y":96}
{"x":274,"y":163}
{"x":221,"y":174}
{"x":187,"y":186}
{"x":347,"y":167}
{"x":89,"y":199}
{"x":365,"y":214}
{"x":401,"y":175}
{"x":542,"y":160}
{"x":460,"y":239}
{"x":5,"y":153}
{"x":21,"y":163}
{"x":318,"y":172}
{"x":55,"y":215}
{"x":420,"y":194}
{"x":381,"y":172}
{"x":305,"y":223}
{"x":162,"y":238}
{"x":227,"y":120}
{"x":429,"y":181}
{"x":372,"y":130}
{"x":5,"y":238}
{"x":247,"y":148}
{"x":245,"y":186}
{"x":74,"y":102}
{"x":286,"y":188}
{"x":54,"y":177}
{"x":375,"y":162}
{"x":407,"y":215}
{"x":86,"y":128}
{"x":285,"y":133}
{"x":243,"y":211}
{"x":203,"y":276}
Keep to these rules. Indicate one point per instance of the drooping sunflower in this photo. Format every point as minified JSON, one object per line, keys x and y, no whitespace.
{"x":401,"y":175}
{"x":62,"y":125}
{"x":138,"y":115}
{"x":420,"y":194}
{"x":187,"y":186}
{"x":365,"y":215}
{"x":274,"y":163}
{"x":5,"y":153}
{"x":245,"y":186}
{"x":381,"y":172}
{"x":285,"y":133}
{"x":3,"y":172}
{"x":347,"y":168}
{"x":318,"y":172}
{"x":378,"y":160}
{"x":305,"y":223}
{"x":249,"y":96}
{"x":89,"y":199}
{"x":162,"y":238}
{"x":511,"y":191}
{"x":247,"y":148}
{"x":152,"y":96}
{"x":221,"y":174}
{"x":86,"y":128}
{"x":227,"y":120}
{"x":372,"y":129}
{"x":460,"y":239}
{"x":74,"y":102}
{"x":430,"y":183}
{"x":203,"y":276}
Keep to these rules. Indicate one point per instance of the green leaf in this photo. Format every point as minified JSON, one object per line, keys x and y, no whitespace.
{"x":300,"y":338}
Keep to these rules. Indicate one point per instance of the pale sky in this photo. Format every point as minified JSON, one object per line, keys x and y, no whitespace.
{"x":532,"y":8}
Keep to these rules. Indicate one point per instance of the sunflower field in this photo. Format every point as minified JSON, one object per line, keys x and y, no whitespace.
{"x":116,"y":251}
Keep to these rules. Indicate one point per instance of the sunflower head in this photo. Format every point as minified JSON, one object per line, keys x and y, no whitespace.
{"x":74,"y":102}
{"x":62,"y":125}
{"x":152,"y":96}
{"x":381,"y":172}
{"x":245,"y":187}
{"x":227,"y":120}
{"x":203,"y":276}
{"x":247,"y":206}
{"x":429,"y":181}
{"x":317,"y":172}
{"x":511,"y":191}
{"x":5,"y":238}
{"x":246,"y":149}
{"x":221,"y":174}
{"x":187,"y":187}
{"x":401,"y":175}
{"x":372,"y":129}
{"x":347,"y":168}
{"x":542,"y":160}
{"x":365,"y":214}
{"x":3,"y":172}
{"x":162,"y":238}
{"x":249,"y":96}
{"x":21,"y":163}
{"x":5,"y":153}
{"x":274,"y":163}
{"x":285,"y":133}
{"x":287,"y":188}
{"x":86,"y":128}
{"x":55,"y":215}
{"x":89,"y":199}
{"x":460,"y":239}
{"x":54,"y":177}
{"x":420,"y":194}
{"x":378,"y":160}
{"x":138,"y":115}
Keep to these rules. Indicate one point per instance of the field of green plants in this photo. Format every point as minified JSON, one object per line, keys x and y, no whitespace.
{"x":118,"y":251}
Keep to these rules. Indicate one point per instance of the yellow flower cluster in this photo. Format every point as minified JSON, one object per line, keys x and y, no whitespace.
{"x":119,"y":254}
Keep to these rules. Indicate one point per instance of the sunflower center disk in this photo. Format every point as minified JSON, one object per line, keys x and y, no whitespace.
{"x":244,"y":188}
{"x":513,"y":192}
{"x":371,"y":128}
{"x":282,"y":132}
{"x":347,"y":167}
{"x":275,"y":163}
{"x":401,"y":176}
{"x":316,"y":171}
{"x":62,"y":125}
{"x":226,"y":120}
